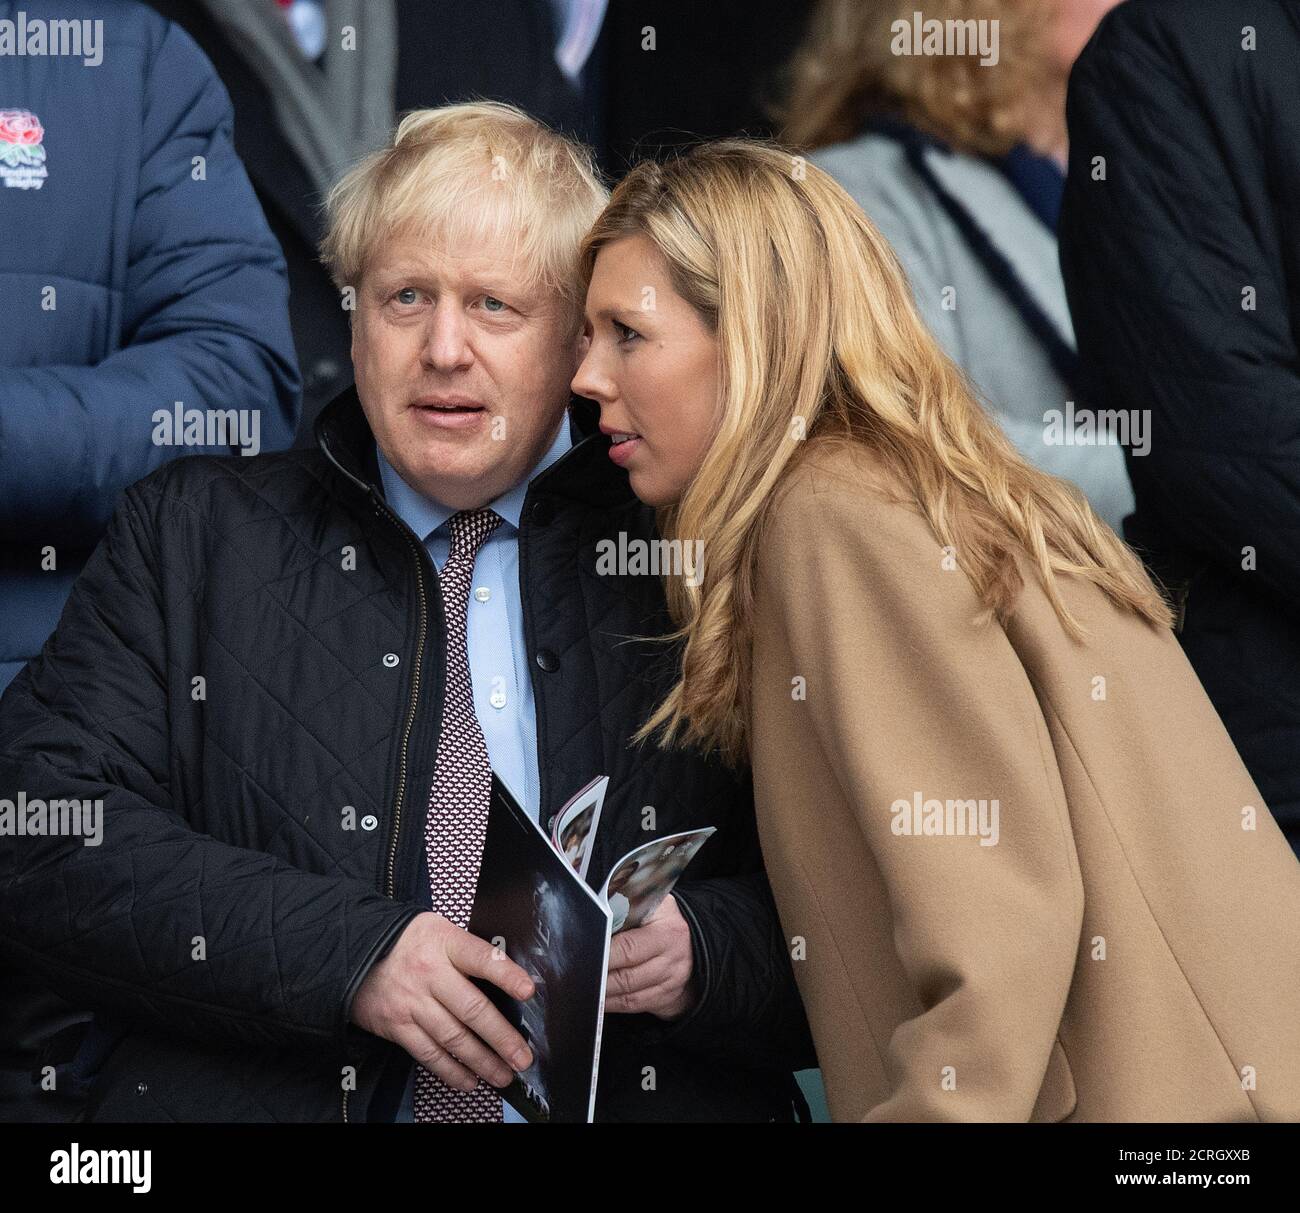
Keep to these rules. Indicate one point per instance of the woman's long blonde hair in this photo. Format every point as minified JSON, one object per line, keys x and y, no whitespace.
{"x":817,"y":335}
{"x":846,"y":70}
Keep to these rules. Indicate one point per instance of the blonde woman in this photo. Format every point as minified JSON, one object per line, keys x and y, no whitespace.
{"x":1022,"y":869}
{"x":959,"y":159}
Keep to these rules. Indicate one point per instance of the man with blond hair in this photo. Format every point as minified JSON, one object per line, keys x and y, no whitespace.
{"x":290,"y":678}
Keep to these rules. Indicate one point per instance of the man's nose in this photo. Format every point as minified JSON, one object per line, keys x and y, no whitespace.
{"x":446,"y":345}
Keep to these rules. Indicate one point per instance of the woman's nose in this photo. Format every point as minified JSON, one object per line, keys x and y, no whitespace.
{"x":587,"y":382}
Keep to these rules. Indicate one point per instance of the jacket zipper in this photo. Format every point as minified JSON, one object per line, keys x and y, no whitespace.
{"x":390,"y":885}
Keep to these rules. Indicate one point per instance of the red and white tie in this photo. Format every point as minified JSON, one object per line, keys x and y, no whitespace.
{"x":456,"y":825}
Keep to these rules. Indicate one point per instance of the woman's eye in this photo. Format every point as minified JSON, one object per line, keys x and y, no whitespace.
{"x":407,"y":295}
{"x":492,"y":304}
{"x":625,"y":334}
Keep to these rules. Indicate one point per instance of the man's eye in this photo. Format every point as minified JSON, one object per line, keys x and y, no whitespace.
{"x":407,"y":295}
{"x":493,"y":304}
{"x":625,"y":334}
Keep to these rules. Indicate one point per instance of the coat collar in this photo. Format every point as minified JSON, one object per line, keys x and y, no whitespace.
{"x":584,"y":475}
{"x":983,"y":193}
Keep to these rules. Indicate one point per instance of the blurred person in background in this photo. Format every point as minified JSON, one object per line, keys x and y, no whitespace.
{"x":1180,"y":246}
{"x":138,"y":272}
{"x":959,"y":159}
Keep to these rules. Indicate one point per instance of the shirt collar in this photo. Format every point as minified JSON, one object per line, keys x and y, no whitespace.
{"x":424,"y":515}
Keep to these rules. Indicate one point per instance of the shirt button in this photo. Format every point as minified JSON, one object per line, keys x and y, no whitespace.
{"x":483,"y":593}
{"x":369,"y":821}
{"x":497,"y":699}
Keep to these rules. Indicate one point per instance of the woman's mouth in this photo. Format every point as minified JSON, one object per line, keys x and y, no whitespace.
{"x":623,"y":446}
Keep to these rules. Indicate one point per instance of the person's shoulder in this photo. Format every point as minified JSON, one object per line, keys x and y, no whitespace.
{"x":220,"y":489}
{"x":872,"y":168}
{"x":1185,"y":36}
{"x":845,"y":532}
{"x":858,"y":156}
{"x":845,"y":487}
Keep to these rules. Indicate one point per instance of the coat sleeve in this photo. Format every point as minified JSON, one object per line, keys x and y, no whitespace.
{"x":1176,"y":280}
{"x":748,"y":1008}
{"x":155,"y":921}
{"x":906,"y":694}
{"x":204,"y":321}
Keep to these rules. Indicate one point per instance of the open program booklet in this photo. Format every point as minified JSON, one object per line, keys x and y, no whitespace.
{"x":536,"y":902}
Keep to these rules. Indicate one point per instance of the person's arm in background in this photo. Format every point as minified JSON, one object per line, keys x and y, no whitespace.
{"x":205,"y":321}
{"x":987,"y":935}
{"x":1157,"y":257}
{"x":113,"y":926}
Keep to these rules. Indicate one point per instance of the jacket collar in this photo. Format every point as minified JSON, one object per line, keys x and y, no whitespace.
{"x":584,"y":475}
{"x":983,"y":193}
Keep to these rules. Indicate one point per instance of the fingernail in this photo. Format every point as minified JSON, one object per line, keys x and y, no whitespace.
{"x":523,"y":1059}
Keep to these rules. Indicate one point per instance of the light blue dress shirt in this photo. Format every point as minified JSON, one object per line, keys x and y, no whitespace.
{"x":498,"y":662}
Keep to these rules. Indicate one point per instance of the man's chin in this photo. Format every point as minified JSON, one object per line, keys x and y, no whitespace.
{"x":461,"y":479}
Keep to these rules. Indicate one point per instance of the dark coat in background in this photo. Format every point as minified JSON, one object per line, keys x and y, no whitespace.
{"x":714,"y":72}
{"x":1182,"y":268}
{"x":223,"y":815}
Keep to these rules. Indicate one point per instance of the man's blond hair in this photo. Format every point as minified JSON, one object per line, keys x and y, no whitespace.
{"x":477,"y":171}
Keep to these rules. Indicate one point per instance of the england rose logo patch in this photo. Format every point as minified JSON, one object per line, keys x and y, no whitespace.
{"x":22,"y":157}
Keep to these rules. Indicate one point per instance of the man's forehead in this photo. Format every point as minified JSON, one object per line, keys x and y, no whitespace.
{"x":451,"y":259}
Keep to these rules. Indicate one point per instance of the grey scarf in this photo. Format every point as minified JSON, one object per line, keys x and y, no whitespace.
{"x":333,"y":114}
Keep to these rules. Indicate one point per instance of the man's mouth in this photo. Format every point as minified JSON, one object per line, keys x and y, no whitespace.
{"x":444,"y":414}
{"x":448,"y":404}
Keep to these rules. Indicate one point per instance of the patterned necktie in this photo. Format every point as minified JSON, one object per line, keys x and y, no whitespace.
{"x":456,"y":824}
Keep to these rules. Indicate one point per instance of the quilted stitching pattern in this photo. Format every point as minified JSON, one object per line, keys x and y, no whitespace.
{"x":234,"y":902}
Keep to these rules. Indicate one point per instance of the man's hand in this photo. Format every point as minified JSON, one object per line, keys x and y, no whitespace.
{"x":419,"y":996}
{"x":650,"y":966}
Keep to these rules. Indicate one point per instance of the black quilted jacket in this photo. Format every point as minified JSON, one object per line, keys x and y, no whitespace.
{"x":1182,"y":266}
{"x":224,"y":799}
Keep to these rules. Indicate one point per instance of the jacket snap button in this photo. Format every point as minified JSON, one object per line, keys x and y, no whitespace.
{"x":369,"y":821}
{"x":141,"y":1088}
{"x":543,"y":511}
{"x":550,"y":822}
{"x":548,"y":661}
{"x":391,"y":659}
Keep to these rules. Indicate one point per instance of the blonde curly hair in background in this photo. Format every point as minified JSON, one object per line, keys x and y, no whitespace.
{"x":846,"y":69}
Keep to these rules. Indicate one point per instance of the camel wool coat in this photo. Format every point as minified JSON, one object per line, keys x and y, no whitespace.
{"x":1106,"y":926}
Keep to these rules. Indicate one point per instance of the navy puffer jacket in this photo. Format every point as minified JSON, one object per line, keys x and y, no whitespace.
{"x":138,"y":273}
